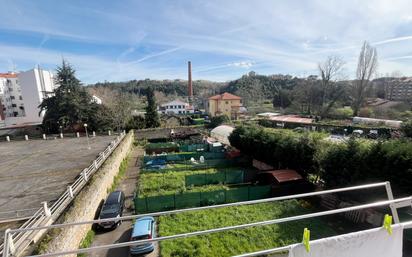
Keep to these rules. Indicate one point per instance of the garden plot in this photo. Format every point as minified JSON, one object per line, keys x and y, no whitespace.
{"x":237,"y":241}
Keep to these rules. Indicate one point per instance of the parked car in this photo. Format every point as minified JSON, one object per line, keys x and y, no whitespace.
{"x":144,"y":228}
{"x":112,"y":208}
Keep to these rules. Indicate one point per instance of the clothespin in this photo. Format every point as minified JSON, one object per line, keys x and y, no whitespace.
{"x":387,"y":223}
{"x":306,"y":239}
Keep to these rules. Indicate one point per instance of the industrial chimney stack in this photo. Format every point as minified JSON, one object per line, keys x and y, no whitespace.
{"x":189,"y":86}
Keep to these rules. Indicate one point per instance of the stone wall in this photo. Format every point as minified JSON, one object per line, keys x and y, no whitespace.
{"x":88,"y":201}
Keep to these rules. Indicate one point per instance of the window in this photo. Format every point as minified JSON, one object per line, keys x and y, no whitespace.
{"x":180,"y":112}
{"x":13,"y":105}
{"x":15,"y":114}
{"x":20,"y":97}
{"x":227,"y":102}
{"x":12,"y":97}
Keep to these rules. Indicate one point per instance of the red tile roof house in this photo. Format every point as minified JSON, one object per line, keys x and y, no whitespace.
{"x":225,"y":104}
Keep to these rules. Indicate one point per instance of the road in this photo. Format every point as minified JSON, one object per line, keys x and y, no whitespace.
{"x":122,"y":233}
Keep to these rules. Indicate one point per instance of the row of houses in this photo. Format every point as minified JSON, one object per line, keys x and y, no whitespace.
{"x":222,"y":104}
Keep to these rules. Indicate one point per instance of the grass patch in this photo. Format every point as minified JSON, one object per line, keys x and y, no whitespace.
{"x":120,"y":174}
{"x":86,"y":242}
{"x":237,"y":241}
{"x":170,"y":182}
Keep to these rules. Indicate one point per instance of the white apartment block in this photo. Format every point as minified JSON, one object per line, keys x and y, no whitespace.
{"x":176,"y":107}
{"x":28,"y":89}
{"x":11,"y":101}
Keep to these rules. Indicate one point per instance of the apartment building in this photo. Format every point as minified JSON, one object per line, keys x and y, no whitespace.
{"x":11,"y":101}
{"x":225,"y":104}
{"x":21,"y":94}
{"x":399,"y":89}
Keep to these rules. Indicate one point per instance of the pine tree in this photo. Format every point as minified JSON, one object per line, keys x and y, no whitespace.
{"x":151,"y":116}
{"x":70,"y":105}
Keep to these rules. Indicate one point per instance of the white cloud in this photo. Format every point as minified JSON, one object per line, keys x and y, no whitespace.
{"x":155,"y":38}
{"x":242,"y":64}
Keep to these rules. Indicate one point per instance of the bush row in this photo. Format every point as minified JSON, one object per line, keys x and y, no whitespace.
{"x":352,"y":162}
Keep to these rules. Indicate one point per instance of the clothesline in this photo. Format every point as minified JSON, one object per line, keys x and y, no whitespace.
{"x":405,"y":225}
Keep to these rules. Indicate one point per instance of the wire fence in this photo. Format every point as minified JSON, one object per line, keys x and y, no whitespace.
{"x":47,"y":215}
{"x":197,"y":199}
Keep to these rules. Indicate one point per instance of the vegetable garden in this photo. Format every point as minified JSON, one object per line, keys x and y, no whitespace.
{"x":183,"y":183}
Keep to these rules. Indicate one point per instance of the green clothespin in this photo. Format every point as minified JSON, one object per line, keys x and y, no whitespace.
{"x":387,"y":223}
{"x":306,"y":239}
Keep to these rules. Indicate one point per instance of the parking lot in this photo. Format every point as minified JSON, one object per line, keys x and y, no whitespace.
{"x":40,"y":170}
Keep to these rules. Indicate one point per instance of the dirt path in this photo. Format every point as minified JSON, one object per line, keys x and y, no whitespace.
{"x":122,"y":233}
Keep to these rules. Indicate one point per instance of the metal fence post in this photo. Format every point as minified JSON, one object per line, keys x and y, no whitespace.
{"x":390,"y":197}
{"x":26,"y":137}
{"x":7,"y":138}
{"x":94,"y":133}
{"x":44,"y":136}
{"x":70,"y":190}
{"x":6,"y":243}
{"x":110,"y":133}
{"x":77,"y":134}
{"x":46,"y":209}
{"x":84,"y":175}
{"x":61,"y":135}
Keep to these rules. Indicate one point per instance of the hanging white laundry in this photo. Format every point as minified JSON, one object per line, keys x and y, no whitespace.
{"x":368,"y":243}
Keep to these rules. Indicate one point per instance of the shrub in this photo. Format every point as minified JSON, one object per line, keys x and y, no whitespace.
{"x":406,"y":128}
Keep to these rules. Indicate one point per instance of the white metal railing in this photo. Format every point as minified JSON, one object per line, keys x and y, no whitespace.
{"x":392,"y":203}
{"x":47,"y":215}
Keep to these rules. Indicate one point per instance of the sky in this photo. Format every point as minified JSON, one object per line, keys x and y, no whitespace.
{"x":110,"y":40}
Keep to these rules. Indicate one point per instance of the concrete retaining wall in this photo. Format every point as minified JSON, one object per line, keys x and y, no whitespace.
{"x":88,"y":200}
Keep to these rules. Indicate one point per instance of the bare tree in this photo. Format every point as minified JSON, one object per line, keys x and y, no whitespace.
{"x":329,"y":71}
{"x":121,"y":109}
{"x":367,"y":65}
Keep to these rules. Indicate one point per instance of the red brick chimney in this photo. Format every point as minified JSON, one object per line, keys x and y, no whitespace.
{"x":189,"y":86}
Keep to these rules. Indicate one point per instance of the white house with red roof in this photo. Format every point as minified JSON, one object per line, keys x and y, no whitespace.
{"x":176,"y":107}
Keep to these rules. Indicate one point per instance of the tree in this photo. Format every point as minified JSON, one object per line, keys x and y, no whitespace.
{"x":367,"y":65}
{"x":121,"y":110}
{"x":151,"y":116}
{"x":406,"y":128}
{"x":70,"y":105}
{"x":328,"y":71}
{"x":218,"y":120}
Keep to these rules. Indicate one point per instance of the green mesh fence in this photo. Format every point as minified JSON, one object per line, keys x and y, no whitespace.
{"x":234,"y":177}
{"x":221,"y":177}
{"x":187,"y":200}
{"x":213,"y":197}
{"x":160,"y":203}
{"x":194,"y":147}
{"x":259,"y":192}
{"x":195,"y":199}
{"x":140,"y":205}
{"x":237,"y":195}
{"x":185,"y":156}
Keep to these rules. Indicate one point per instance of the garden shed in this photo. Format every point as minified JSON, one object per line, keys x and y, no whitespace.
{"x":222,"y":133}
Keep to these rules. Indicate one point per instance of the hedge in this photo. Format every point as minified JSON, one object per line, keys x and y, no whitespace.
{"x":337,"y":164}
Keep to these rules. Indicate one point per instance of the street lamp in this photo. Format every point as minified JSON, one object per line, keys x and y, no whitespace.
{"x":87,"y":136}
{"x":61,"y":131}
